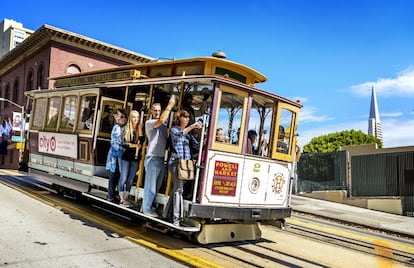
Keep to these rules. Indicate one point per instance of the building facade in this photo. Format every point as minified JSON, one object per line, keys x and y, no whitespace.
{"x":50,"y":52}
{"x":12,"y":33}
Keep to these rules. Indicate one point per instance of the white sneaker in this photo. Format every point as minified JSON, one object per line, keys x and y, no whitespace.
{"x":126,"y":203}
{"x":151,"y":213}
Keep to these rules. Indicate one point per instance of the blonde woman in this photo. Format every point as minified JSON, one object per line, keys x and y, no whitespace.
{"x":133,"y":138}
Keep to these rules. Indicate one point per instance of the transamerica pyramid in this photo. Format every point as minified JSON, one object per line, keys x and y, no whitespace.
{"x":374,"y":123}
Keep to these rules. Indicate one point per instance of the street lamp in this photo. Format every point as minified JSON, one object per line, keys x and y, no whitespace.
{"x":22,"y":126}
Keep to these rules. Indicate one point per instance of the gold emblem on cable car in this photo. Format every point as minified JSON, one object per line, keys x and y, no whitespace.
{"x":278,"y":182}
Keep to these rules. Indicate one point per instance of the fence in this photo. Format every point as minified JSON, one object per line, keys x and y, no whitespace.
{"x":322,"y":171}
{"x":373,"y":175}
{"x":389,"y":174}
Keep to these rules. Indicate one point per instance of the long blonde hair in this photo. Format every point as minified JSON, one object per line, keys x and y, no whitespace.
{"x":129,"y":128}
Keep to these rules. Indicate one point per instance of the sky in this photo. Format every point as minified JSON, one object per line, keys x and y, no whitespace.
{"x":327,"y":53}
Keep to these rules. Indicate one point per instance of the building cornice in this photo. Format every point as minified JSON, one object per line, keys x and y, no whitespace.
{"x":47,"y":34}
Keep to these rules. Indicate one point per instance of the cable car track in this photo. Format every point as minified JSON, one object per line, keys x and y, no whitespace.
{"x":262,"y":253}
{"x":250,"y":254}
{"x":392,"y":249}
{"x":266,"y":252}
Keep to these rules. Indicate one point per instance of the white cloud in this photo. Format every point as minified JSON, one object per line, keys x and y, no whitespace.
{"x":394,"y":114}
{"x":398,"y":133}
{"x":307,"y":114}
{"x":402,"y":86}
{"x":397,"y":129}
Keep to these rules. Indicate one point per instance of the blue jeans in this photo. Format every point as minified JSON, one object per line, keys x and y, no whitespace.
{"x":155,"y":171}
{"x":128,"y":172}
{"x":113,"y":181}
{"x":175,"y":205}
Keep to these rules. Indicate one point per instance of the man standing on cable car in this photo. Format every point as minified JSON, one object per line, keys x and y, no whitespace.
{"x":155,"y":168}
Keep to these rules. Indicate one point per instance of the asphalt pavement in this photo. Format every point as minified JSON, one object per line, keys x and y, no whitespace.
{"x":34,"y":234}
{"x":37,"y":235}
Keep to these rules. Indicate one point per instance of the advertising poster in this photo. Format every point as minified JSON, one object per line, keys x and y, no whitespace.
{"x":17,"y":123}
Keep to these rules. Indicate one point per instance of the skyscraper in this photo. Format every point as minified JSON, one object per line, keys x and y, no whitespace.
{"x":12,"y":33}
{"x":374,"y":123}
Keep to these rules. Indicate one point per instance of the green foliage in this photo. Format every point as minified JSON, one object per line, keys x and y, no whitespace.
{"x":333,"y":141}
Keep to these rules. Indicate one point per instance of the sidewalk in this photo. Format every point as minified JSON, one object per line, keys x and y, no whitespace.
{"x":34,"y":234}
{"x":371,"y":218}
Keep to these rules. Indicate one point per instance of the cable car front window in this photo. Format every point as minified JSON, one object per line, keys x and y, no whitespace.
{"x":284,"y":131}
{"x":260,"y":122}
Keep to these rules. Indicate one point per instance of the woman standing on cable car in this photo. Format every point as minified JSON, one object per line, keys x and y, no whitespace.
{"x":181,"y":143}
{"x":133,"y":138}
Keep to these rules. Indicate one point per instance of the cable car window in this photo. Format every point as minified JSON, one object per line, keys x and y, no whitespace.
{"x":39,"y":114}
{"x":69,"y":112}
{"x":86,"y":116}
{"x":53,"y":115}
{"x":260,"y":122}
{"x":229,"y":118}
{"x":197,"y":100}
{"x":109,"y":110}
{"x":284,"y":131}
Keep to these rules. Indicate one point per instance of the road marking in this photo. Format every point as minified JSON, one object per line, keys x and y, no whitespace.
{"x":177,"y":254}
{"x":384,"y":251}
{"x":128,"y":233}
{"x":348,"y":234}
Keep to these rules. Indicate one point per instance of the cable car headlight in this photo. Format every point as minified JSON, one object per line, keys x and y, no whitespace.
{"x":254,"y":185}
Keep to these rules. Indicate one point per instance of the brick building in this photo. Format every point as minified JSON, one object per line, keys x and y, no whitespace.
{"x":50,"y":52}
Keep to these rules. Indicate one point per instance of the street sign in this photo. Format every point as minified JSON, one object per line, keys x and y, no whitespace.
{"x":18,"y":139}
{"x":20,"y":145}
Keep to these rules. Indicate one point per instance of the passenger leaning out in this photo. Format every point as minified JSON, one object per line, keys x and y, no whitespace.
{"x":155,"y":169}
{"x":181,"y":146}
{"x":113,"y":161}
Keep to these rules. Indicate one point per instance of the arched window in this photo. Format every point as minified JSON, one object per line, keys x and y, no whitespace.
{"x":29,"y":81}
{"x":7,"y":96}
{"x":40,"y":76}
{"x":73,"y":69}
{"x":16,"y":90}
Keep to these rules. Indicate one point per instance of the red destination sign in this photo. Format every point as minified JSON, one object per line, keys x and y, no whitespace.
{"x":225,"y":178}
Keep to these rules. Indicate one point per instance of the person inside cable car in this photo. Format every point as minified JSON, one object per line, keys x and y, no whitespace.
{"x":221,"y":137}
{"x":251,"y":140}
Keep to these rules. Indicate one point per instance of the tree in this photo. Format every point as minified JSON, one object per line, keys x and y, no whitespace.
{"x":333,"y":141}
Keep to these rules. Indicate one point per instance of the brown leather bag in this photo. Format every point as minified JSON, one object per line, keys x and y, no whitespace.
{"x":186,"y":169}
